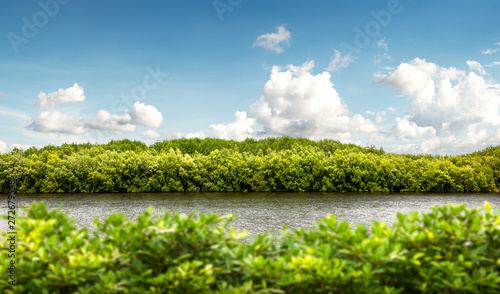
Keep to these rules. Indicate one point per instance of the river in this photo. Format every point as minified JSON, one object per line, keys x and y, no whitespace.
{"x":256,"y":212}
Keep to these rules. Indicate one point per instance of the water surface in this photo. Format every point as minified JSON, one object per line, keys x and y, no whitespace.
{"x":257,"y":212}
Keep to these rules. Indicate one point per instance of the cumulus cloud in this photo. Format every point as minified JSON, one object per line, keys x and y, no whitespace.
{"x":150,"y":134}
{"x":111,"y":123}
{"x":56,"y":121}
{"x":407,"y":129}
{"x":339,"y":60}
{"x":141,"y":114}
{"x":294,"y":102}
{"x":471,"y":141}
{"x":146,"y":115}
{"x":239,"y":129}
{"x":71,"y":94}
{"x":444,"y":101}
{"x":274,"y":41}
{"x":441,"y":94}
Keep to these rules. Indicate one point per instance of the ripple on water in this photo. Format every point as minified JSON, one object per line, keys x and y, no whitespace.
{"x":257,"y":212}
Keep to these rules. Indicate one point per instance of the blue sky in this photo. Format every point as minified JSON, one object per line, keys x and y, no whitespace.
{"x":408,"y":76}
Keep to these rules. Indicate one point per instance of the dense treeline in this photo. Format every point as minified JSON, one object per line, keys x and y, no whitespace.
{"x":448,"y":250}
{"x":284,"y":164}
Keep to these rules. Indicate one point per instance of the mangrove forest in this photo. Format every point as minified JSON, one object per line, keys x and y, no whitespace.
{"x":216,"y":165}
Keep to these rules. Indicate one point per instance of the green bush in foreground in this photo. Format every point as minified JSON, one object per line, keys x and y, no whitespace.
{"x":449,"y":250}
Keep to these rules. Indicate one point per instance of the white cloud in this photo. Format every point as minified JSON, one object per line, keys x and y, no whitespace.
{"x":19,"y":146}
{"x":380,"y":116}
{"x":494,"y":63}
{"x":477,"y":67}
{"x":141,"y":114}
{"x":3,"y":95}
{"x":71,"y":94}
{"x":445,"y":101}
{"x":150,"y":134}
{"x":414,"y":78}
{"x":146,"y":115}
{"x":274,"y":41}
{"x":407,"y":129}
{"x":56,"y":121}
{"x":472,"y":141}
{"x":296,"y":103}
{"x":489,"y":51}
{"x":339,"y":60}
{"x":3,"y":147}
{"x":239,"y":129}
{"x":180,"y":135}
{"x":111,"y":123}
{"x":441,"y":94}
{"x":382,"y":44}
{"x":379,"y":57}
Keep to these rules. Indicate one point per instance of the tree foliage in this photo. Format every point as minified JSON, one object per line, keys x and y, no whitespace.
{"x":284,"y":164}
